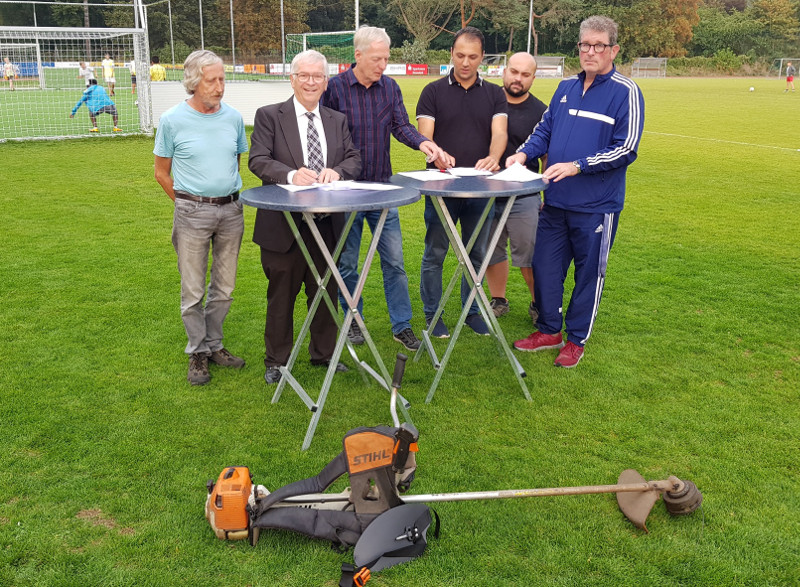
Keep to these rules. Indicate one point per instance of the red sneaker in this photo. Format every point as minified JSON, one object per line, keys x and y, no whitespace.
{"x":569,"y":356}
{"x":538,"y":341}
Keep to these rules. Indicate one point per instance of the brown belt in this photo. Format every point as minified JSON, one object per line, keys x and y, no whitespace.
{"x":205,"y":200}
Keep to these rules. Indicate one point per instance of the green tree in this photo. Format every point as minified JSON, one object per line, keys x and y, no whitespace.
{"x":718,"y":30}
{"x":424,"y":19}
{"x":780,"y":22}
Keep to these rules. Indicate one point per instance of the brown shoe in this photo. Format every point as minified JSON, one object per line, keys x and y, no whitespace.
{"x":198,"y":370}
{"x":224,"y":358}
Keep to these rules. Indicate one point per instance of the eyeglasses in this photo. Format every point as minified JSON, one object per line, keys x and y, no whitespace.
{"x":304,"y":77}
{"x":598,"y":48}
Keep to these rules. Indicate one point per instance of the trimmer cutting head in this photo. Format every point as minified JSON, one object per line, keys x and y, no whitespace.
{"x":680,"y":497}
{"x":396,"y":536}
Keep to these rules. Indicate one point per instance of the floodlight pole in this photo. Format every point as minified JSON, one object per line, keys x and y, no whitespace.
{"x":233,"y":42}
{"x":283,"y":44}
{"x":530,"y":26}
{"x":202,"y":38}
{"x":171,"y":40}
{"x":356,"y":14}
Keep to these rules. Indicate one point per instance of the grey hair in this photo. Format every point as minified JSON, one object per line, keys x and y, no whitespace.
{"x":193,"y":68}
{"x":312,"y":57}
{"x":600,"y":24}
{"x":366,"y":35}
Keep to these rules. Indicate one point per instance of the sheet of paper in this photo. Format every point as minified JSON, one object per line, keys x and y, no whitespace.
{"x":427,"y":175}
{"x":516,"y":172}
{"x":295,"y":188}
{"x":341,"y":186}
{"x":468,"y":171}
{"x":357,"y":185}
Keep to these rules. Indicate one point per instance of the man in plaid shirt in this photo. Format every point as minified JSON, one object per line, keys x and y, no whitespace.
{"x":373,"y":104}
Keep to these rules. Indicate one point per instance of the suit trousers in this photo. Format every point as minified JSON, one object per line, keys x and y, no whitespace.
{"x":286,"y":272}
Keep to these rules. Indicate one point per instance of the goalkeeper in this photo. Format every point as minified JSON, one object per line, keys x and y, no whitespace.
{"x":98,"y":102}
{"x":11,"y":72}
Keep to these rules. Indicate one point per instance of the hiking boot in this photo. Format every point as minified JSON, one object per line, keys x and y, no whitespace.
{"x":569,"y":356}
{"x":408,"y":339}
{"x":539,"y":341}
{"x":533,"y":312}
{"x":477,"y":324}
{"x":198,"y":370}
{"x":224,"y":358}
{"x":354,"y":334}
{"x":499,"y":306}
{"x":439,"y":330}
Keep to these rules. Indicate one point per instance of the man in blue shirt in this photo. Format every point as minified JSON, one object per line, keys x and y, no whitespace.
{"x":590,"y":134}
{"x":198,"y":146}
{"x":374,"y":108}
{"x":97,"y":102}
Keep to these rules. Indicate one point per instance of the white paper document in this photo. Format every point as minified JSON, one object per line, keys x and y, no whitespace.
{"x":516,"y":172}
{"x":467,"y":171}
{"x":341,"y":186}
{"x":427,"y":175}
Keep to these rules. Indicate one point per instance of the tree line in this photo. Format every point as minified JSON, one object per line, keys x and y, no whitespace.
{"x":657,"y":28}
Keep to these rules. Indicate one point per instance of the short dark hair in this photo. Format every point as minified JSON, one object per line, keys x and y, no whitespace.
{"x":470,"y":31}
{"x":92,"y":82}
{"x":154,"y":59}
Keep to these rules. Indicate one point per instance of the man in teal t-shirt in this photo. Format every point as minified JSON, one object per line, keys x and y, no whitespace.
{"x":198,"y":146}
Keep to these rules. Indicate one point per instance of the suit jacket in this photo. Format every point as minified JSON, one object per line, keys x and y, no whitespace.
{"x":276,"y":150}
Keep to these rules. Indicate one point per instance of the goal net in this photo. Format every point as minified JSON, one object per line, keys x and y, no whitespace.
{"x":48,"y":61}
{"x":336,"y":47}
{"x":22,"y":67}
{"x":778,"y":67}
{"x":649,"y":67}
{"x":550,"y":67}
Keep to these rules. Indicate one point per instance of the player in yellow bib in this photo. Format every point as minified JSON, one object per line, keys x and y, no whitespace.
{"x":108,"y":73}
{"x":157,"y":71}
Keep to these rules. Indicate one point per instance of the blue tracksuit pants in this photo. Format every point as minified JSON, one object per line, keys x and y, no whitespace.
{"x":564,"y":237}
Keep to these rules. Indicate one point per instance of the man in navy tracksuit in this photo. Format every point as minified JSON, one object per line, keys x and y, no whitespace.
{"x":590,"y":134}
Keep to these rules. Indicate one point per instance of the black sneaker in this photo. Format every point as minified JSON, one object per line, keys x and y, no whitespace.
{"x":354,"y":335}
{"x":198,"y":370}
{"x":533,"y":312}
{"x":499,"y":306}
{"x":408,"y":339}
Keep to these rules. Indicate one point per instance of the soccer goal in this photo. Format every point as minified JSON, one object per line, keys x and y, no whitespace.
{"x":550,"y":67}
{"x":336,"y":47}
{"x":778,"y":67}
{"x":48,"y":61}
{"x":25,"y":66}
{"x":649,"y":67}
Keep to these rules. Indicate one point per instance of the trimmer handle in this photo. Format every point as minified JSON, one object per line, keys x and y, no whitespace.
{"x":399,"y":369}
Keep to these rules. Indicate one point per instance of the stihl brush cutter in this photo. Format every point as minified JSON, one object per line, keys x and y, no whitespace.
{"x":385,"y":525}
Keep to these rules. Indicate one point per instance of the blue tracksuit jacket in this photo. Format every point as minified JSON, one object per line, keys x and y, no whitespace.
{"x":601,"y":130}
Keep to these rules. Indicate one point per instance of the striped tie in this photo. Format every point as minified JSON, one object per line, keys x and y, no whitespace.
{"x":315,"y":162}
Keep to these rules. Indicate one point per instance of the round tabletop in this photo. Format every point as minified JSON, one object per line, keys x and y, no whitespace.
{"x":471,"y":187}
{"x":321,"y":200}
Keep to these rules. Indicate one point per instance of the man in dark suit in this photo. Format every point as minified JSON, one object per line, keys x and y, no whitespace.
{"x":299,"y":142}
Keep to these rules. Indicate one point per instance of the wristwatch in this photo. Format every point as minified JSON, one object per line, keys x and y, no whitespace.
{"x":577,"y":165}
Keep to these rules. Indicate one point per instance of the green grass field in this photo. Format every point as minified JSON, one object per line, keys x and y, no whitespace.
{"x":693,"y":370}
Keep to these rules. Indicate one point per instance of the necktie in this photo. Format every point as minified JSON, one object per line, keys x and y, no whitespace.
{"x":315,"y":162}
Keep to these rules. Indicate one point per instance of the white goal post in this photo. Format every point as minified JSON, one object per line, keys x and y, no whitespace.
{"x":51,"y":56}
{"x":649,"y":67}
{"x":26,"y":64}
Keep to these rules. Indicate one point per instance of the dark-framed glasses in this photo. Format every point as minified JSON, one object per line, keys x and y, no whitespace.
{"x":304,"y":77}
{"x":598,"y":47}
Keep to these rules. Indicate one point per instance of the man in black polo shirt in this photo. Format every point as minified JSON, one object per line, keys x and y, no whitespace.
{"x":468,"y":119}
